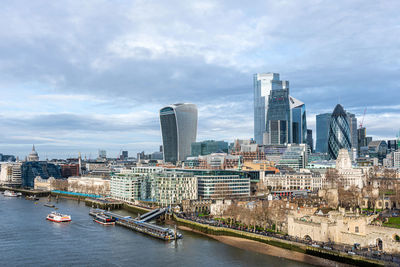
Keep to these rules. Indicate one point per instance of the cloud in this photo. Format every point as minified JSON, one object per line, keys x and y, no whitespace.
{"x":99,"y":71}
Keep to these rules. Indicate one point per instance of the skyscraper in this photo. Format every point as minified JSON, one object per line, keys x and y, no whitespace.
{"x":353,"y":129}
{"x":310,"y":140}
{"x":278,"y":118}
{"x":339,"y":132}
{"x":264,"y":83}
{"x":361,"y":139}
{"x":299,"y":121}
{"x":323,"y":122}
{"x":179,"y":130}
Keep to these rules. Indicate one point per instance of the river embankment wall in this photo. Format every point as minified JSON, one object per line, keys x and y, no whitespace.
{"x":289,"y":245}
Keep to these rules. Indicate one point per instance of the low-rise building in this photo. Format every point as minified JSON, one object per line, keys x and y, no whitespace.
{"x":343,"y":228}
{"x":89,"y":185}
{"x":302,"y":180}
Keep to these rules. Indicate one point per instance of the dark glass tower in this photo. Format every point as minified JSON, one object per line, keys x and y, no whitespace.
{"x":179,"y":129}
{"x":278,"y":117}
{"x":339,"y":132}
{"x":323,"y":122}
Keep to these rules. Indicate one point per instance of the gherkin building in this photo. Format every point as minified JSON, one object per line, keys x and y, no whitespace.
{"x":339,"y":132}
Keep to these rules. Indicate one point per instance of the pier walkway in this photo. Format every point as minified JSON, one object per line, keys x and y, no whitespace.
{"x":141,"y":224}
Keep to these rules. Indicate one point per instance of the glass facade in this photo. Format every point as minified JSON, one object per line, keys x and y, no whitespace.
{"x":208,"y":147}
{"x":339,"y":132}
{"x":264,"y":83}
{"x":179,"y":130}
{"x":323,"y":122}
{"x":353,"y":129}
{"x":299,"y":121}
{"x":278,"y":118}
{"x":310,"y":140}
{"x":31,"y":169}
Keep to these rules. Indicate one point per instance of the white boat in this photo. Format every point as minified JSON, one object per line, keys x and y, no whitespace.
{"x":58,"y":217}
{"x":9,"y":193}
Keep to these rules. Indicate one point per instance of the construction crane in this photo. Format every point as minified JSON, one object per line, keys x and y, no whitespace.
{"x":362,"y":121}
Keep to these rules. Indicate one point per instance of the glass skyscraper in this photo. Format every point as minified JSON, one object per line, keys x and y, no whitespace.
{"x":264,"y":83}
{"x":179,"y":130}
{"x":299,"y":121}
{"x":339,"y":132}
{"x":323,"y":122}
{"x":353,"y":129}
{"x":278,"y":117}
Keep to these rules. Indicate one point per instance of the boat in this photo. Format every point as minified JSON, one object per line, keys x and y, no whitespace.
{"x":31,"y":198}
{"x":8,"y":193}
{"x":104,"y":219}
{"x":58,"y":217}
{"x":49,"y":205}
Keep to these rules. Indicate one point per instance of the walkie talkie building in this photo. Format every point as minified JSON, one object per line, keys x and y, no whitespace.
{"x":179,"y":130}
{"x":339,"y":132}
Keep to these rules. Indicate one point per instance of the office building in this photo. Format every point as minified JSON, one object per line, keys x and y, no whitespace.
{"x":392,"y":145}
{"x":299,"y":121}
{"x":353,"y":129}
{"x":310,"y":140}
{"x":361,"y":139}
{"x":295,"y":157}
{"x":378,"y":149}
{"x":207,"y":147}
{"x":173,"y":187}
{"x":278,"y":118}
{"x":221,"y":184}
{"x":30,"y":170}
{"x":396,"y":159}
{"x":68,"y":170}
{"x":179,"y":130}
{"x":264,"y":83}
{"x":339,"y":132}
{"x":124,"y":155}
{"x":10,"y":174}
{"x":323,"y":122}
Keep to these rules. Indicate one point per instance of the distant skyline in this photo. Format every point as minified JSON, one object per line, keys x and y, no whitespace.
{"x":86,"y":76}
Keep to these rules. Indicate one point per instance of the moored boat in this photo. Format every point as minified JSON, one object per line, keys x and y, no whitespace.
{"x":9,"y":193}
{"x":104,"y":219}
{"x":58,"y":217}
{"x":49,"y":205}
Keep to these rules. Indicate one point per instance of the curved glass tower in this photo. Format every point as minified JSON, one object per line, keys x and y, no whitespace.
{"x":179,"y":129}
{"x":339,"y":132}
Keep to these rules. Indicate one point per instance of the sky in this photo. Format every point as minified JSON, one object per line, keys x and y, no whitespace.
{"x":78,"y":76}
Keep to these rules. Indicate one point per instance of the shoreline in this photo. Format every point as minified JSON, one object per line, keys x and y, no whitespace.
{"x":266,"y":249}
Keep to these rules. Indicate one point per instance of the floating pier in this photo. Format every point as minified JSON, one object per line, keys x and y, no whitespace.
{"x":141,"y":224}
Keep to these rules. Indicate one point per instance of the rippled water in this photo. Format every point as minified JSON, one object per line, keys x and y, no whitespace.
{"x":26,"y":238}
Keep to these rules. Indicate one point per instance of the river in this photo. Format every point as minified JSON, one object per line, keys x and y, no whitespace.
{"x":27,"y":239}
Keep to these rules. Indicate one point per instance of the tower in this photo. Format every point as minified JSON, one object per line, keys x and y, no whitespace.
{"x":263,"y":84}
{"x":339,"y":132}
{"x":179,"y":129}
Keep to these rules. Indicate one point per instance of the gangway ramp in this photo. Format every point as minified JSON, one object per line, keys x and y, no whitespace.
{"x":152,"y":215}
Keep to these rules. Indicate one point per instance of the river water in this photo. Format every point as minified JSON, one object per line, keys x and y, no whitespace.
{"x":27,"y":239}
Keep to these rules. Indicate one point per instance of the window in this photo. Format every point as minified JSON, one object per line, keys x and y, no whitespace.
{"x":356,"y":229}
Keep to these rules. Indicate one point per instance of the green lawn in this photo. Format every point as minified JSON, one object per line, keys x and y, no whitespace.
{"x":393,"y":222}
